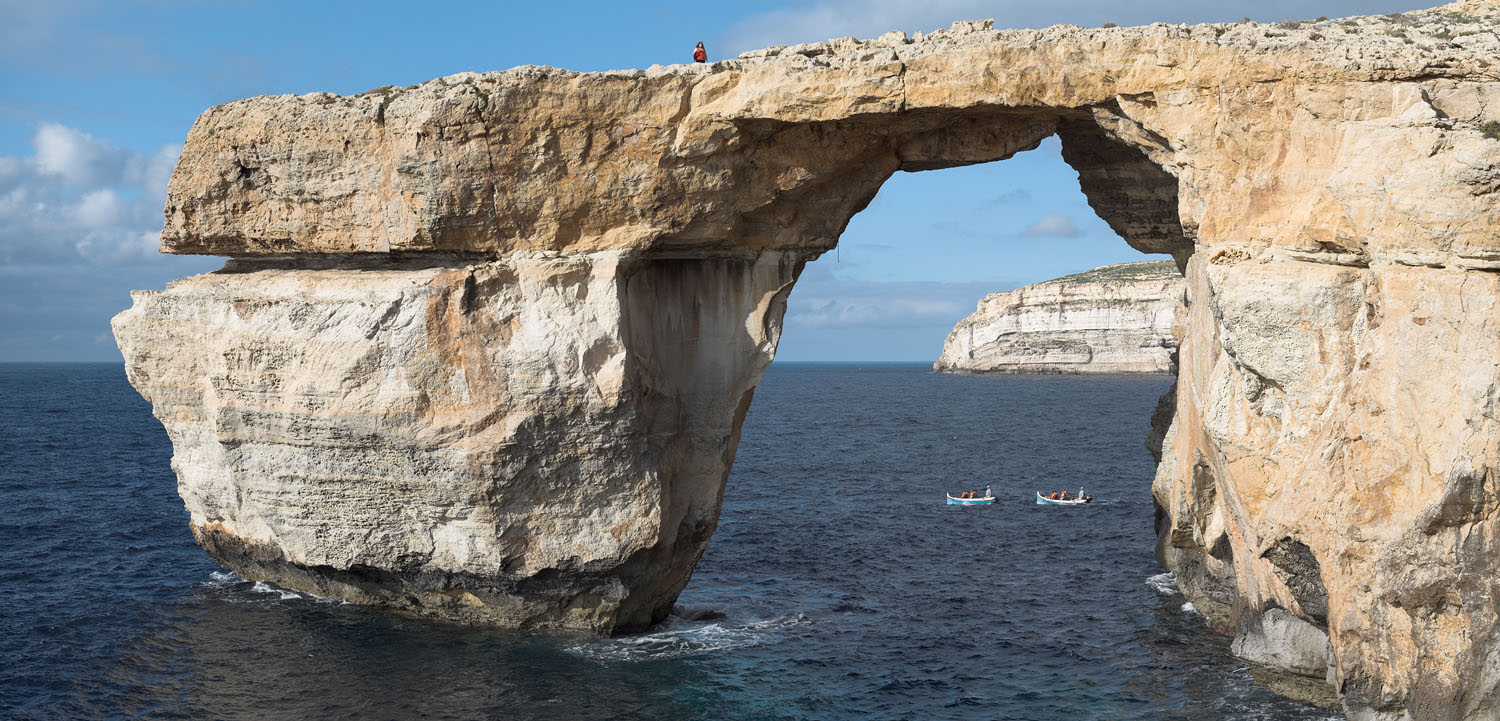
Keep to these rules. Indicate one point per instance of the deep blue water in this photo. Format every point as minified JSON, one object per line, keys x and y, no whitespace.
{"x":851,"y":590}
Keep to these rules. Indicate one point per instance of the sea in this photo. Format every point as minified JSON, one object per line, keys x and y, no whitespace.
{"x":839,"y":584}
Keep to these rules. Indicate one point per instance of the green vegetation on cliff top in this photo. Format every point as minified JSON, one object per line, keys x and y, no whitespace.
{"x":1122,"y":273}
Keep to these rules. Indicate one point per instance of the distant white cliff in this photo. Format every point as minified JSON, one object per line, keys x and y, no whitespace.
{"x":1113,"y":319}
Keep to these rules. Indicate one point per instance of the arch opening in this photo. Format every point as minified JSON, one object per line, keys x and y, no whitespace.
{"x":934,"y":243}
{"x":834,"y":418}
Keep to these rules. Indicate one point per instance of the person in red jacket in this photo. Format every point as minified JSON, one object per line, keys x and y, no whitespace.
{"x":699,"y":54}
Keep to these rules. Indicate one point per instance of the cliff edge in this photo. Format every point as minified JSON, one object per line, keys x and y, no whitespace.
{"x":1112,"y":319}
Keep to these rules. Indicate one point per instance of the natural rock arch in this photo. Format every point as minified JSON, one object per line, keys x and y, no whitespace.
{"x":486,"y":342}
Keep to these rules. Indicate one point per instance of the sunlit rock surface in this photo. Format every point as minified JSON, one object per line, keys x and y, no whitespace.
{"x":1114,"y":319}
{"x":492,"y":361}
{"x":496,"y":442}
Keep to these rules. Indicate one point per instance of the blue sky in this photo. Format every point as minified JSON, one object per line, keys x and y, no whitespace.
{"x":96,"y":96}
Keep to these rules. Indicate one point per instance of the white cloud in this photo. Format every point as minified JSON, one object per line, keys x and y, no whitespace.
{"x":812,"y":21}
{"x":77,"y":157}
{"x":14,"y":202}
{"x":874,"y":311}
{"x":10,"y":170}
{"x":151,"y":172}
{"x":78,"y":199}
{"x":1052,"y":225}
{"x":99,"y":210}
{"x":823,"y":302}
{"x":118,"y":246}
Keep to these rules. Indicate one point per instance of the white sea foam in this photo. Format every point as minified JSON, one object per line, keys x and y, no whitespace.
{"x":243,"y":589}
{"x":677,"y":638}
{"x":224,"y":578}
{"x":1190,"y":609}
{"x":1164,"y":584}
{"x":282,"y":593}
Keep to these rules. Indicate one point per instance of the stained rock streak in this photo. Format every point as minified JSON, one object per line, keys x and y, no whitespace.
{"x":487,"y":341}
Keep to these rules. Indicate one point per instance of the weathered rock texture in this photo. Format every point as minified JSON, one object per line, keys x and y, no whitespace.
{"x":1114,"y":319}
{"x":527,"y":441}
{"x":494,"y":359}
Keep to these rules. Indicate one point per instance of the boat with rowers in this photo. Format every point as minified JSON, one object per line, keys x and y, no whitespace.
{"x":975,"y":501}
{"x":1063,"y":499}
{"x":972,"y":498}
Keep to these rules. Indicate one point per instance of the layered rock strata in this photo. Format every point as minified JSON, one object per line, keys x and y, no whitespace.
{"x":1114,"y":319}
{"x":488,"y":340}
{"x":528,"y":441}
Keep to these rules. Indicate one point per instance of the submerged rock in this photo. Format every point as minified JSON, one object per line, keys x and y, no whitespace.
{"x":1114,"y":319}
{"x":487,"y":341}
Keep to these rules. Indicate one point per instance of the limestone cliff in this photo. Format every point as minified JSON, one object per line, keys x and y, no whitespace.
{"x":1114,"y":319}
{"x":525,"y":441}
{"x":488,"y":340}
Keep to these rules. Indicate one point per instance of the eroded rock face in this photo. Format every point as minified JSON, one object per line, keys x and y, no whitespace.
{"x":1330,"y":455}
{"x":493,"y":357}
{"x":1114,"y":319}
{"x":500,"y":442}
